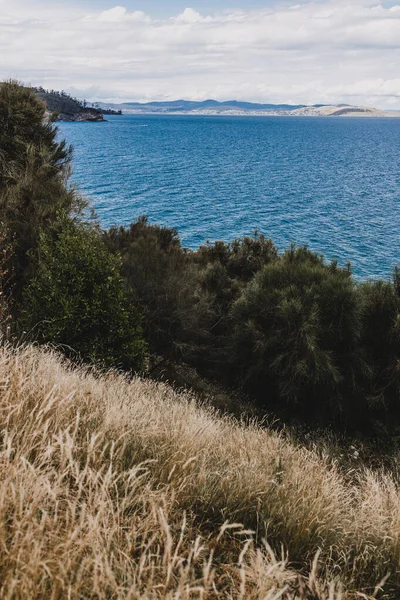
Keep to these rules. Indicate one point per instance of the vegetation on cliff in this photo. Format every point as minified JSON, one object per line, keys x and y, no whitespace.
{"x":63,"y":107}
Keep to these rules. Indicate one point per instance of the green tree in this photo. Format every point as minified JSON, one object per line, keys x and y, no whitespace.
{"x":242,"y":258}
{"x":165,"y":284}
{"x":77,"y":300}
{"x":295,"y":337}
{"x":381,"y":343}
{"x":34,"y":170}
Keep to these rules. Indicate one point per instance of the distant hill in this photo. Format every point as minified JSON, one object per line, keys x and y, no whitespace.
{"x":235,"y":107}
{"x":66,"y":108}
{"x":192,"y":105}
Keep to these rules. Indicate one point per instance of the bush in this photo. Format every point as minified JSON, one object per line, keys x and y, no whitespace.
{"x":295,"y":337}
{"x":381,"y":341}
{"x":165,"y":285}
{"x":77,"y":299}
{"x":242,"y":258}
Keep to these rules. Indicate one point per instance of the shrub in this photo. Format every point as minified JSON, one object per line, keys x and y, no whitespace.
{"x":163,"y":283}
{"x":295,"y":336}
{"x":242,"y":258}
{"x":77,"y":299}
{"x":381,"y":341}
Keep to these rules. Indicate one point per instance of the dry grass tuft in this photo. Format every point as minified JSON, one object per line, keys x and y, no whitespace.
{"x":127,"y":490}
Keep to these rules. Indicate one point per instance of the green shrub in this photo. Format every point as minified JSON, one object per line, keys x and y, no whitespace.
{"x":164,"y":283}
{"x":295,"y":337}
{"x":381,"y":341}
{"x":242,"y":258}
{"x":77,"y":299}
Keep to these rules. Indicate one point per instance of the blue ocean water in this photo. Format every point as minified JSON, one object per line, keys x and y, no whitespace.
{"x":330,"y":183}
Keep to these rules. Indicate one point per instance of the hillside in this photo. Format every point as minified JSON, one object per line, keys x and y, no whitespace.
{"x":67,"y":108}
{"x":113,"y":488}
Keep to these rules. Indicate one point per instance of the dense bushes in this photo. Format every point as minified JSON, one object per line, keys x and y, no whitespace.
{"x":381,"y":343}
{"x":295,"y":331}
{"x":77,"y":299}
{"x":301,"y":337}
{"x":161,"y":280}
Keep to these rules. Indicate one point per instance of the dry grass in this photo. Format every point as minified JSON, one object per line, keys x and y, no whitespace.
{"x":127,"y":490}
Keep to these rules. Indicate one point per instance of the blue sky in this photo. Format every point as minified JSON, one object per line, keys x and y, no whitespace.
{"x":165,"y":8}
{"x":320,"y":51}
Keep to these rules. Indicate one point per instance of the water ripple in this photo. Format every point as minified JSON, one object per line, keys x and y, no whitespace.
{"x":333,"y":184}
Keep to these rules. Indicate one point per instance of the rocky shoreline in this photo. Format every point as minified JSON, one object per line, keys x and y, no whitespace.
{"x":85,"y":116}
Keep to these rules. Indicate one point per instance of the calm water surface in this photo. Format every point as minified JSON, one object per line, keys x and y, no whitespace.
{"x":330,"y":183}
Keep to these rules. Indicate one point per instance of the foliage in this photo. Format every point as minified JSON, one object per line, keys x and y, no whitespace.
{"x":242,"y":258}
{"x":34,"y":168}
{"x":224,"y":271}
{"x":5,"y":275}
{"x":381,"y":340}
{"x":77,"y":299}
{"x":163,"y":283}
{"x":295,"y":332}
{"x":300,"y":336}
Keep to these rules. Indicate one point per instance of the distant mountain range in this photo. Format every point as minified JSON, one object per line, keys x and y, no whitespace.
{"x":234,"y":107}
{"x":63,"y":107}
{"x":229,"y":104}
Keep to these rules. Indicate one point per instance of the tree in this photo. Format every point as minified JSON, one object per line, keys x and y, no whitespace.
{"x":381,"y":342}
{"x":295,"y":336}
{"x":77,"y":299}
{"x":34,"y":171}
{"x":164,"y":284}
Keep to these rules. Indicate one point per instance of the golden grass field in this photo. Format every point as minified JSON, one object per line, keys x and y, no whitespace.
{"x":118,"y":489}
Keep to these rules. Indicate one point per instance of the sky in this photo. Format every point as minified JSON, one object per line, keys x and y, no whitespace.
{"x":326,"y":51}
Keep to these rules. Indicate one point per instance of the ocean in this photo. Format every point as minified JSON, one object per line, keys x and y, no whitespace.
{"x":330,"y":183}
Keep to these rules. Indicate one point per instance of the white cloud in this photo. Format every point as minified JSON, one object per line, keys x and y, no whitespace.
{"x":120,"y":14}
{"x":113,"y":15}
{"x":190,"y":16}
{"x":325,"y":51}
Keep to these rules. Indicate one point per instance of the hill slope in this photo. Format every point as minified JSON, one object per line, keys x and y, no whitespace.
{"x":67,"y":108}
{"x":119,"y":489}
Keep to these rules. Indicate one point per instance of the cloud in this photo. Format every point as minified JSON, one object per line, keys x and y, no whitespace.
{"x":190,"y":15}
{"x":322,"y":51}
{"x":113,"y":15}
{"x":120,"y":14}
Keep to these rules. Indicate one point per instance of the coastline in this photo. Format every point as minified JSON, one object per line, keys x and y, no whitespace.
{"x":255,"y":113}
